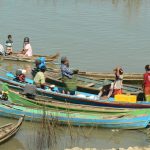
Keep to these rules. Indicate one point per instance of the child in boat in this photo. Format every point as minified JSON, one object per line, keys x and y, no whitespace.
{"x":20,"y":75}
{"x":9,"y":45}
{"x":27,"y":49}
{"x":146,"y":83}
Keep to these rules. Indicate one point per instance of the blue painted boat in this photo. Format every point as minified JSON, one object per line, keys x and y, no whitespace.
{"x":88,"y":99}
{"x":75,"y":119}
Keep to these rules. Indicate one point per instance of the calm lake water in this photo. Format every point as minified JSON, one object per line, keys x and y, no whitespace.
{"x":96,"y":35}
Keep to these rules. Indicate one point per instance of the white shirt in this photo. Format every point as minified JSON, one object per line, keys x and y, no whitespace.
{"x":29,"y":49}
{"x":2,"y":49}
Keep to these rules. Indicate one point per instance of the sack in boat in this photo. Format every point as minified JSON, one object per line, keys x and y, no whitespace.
{"x":70,"y":84}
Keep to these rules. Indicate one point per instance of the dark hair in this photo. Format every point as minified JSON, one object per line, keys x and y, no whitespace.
{"x":9,"y":36}
{"x":147,"y":68}
{"x":63,"y":59}
{"x":120,"y":71}
{"x":43,"y":69}
{"x":26,"y":39}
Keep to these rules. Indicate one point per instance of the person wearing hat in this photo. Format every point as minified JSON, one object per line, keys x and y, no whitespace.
{"x":20,"y":75}
{"x":146,"y":83}
{"x":27,"y":49}
{"x":68,"y":76}
{"x":39,"y":78}
{"x":39,"y":62}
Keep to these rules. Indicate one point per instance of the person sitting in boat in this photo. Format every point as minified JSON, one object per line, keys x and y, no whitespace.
{"x":9,"y":45}
{"x":20,"y":75}
{"x":105,"y":90}
{"x":68,"y":76}
{"x":115,"y":87}
{"x":39,"y":78}
{"x":27,"y":49}
{"x":2,"y":52}
{"x":146,"y":83}
{"x":39,"y":62}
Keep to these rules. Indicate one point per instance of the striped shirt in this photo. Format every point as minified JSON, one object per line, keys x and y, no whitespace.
{"x":66,"y":71}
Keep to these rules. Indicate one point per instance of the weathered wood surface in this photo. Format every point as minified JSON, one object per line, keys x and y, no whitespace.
{"x":14,"y":57}
{"x":9,"y":130}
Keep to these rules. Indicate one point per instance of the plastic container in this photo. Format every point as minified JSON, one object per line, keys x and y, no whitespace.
{"x":126,"y":98}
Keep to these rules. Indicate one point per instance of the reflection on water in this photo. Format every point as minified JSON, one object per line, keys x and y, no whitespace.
{"x":132,"y":7}
{"x":68,"y":137}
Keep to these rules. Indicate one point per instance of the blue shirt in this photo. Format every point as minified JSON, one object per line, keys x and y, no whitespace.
{"x":66,"y":71}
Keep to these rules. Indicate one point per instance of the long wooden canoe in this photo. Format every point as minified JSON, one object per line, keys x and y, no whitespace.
{"x":14,"y":57}
{"x":15,"y":97}
{"x":128,"y":77}
{"x":110,"y":76}
{"x":76,"y":119}
{"x":88,"y":99}
{"x":86,"y":84}
{"x":9,"y":130}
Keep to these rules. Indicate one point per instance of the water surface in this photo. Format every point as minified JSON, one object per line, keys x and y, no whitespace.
{"x":96,"y":35}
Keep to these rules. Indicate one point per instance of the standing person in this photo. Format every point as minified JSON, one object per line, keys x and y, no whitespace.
{"x":118,"y":83}
{"x":9,"y":46}
{"x":68,"y":76}
{"x":146,"y":83}
{"x":27,"y":49}
{"x":39,"y":78}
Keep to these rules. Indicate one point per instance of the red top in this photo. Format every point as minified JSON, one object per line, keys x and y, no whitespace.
{"x":147,"y":79}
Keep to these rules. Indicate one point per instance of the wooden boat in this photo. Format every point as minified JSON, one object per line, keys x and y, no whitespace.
{"x":110,"y":76}
{"x":90,"y":85}
{"x":16,"y":98}
{"x":128,"y":77}
{"x":14,"y":57}
{"x":9,"y":130}
{"x":88,"y":99}
{"x":84,"y":84}
{"x":76,"y":119}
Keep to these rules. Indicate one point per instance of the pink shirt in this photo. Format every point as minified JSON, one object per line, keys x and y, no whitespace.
{"x":29,"y":49}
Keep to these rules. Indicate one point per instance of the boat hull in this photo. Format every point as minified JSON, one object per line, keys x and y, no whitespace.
{"x":74,"y":119}
{"x":80,"y":100}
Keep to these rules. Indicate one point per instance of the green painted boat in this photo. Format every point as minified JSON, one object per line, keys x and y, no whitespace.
{"x":75,"y":119}
{"x":15,"y":97}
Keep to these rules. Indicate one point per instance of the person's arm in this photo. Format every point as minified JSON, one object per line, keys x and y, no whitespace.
{"x":117,"y":72}
{"x":100,"y":93}
{"x":111,"y":90}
